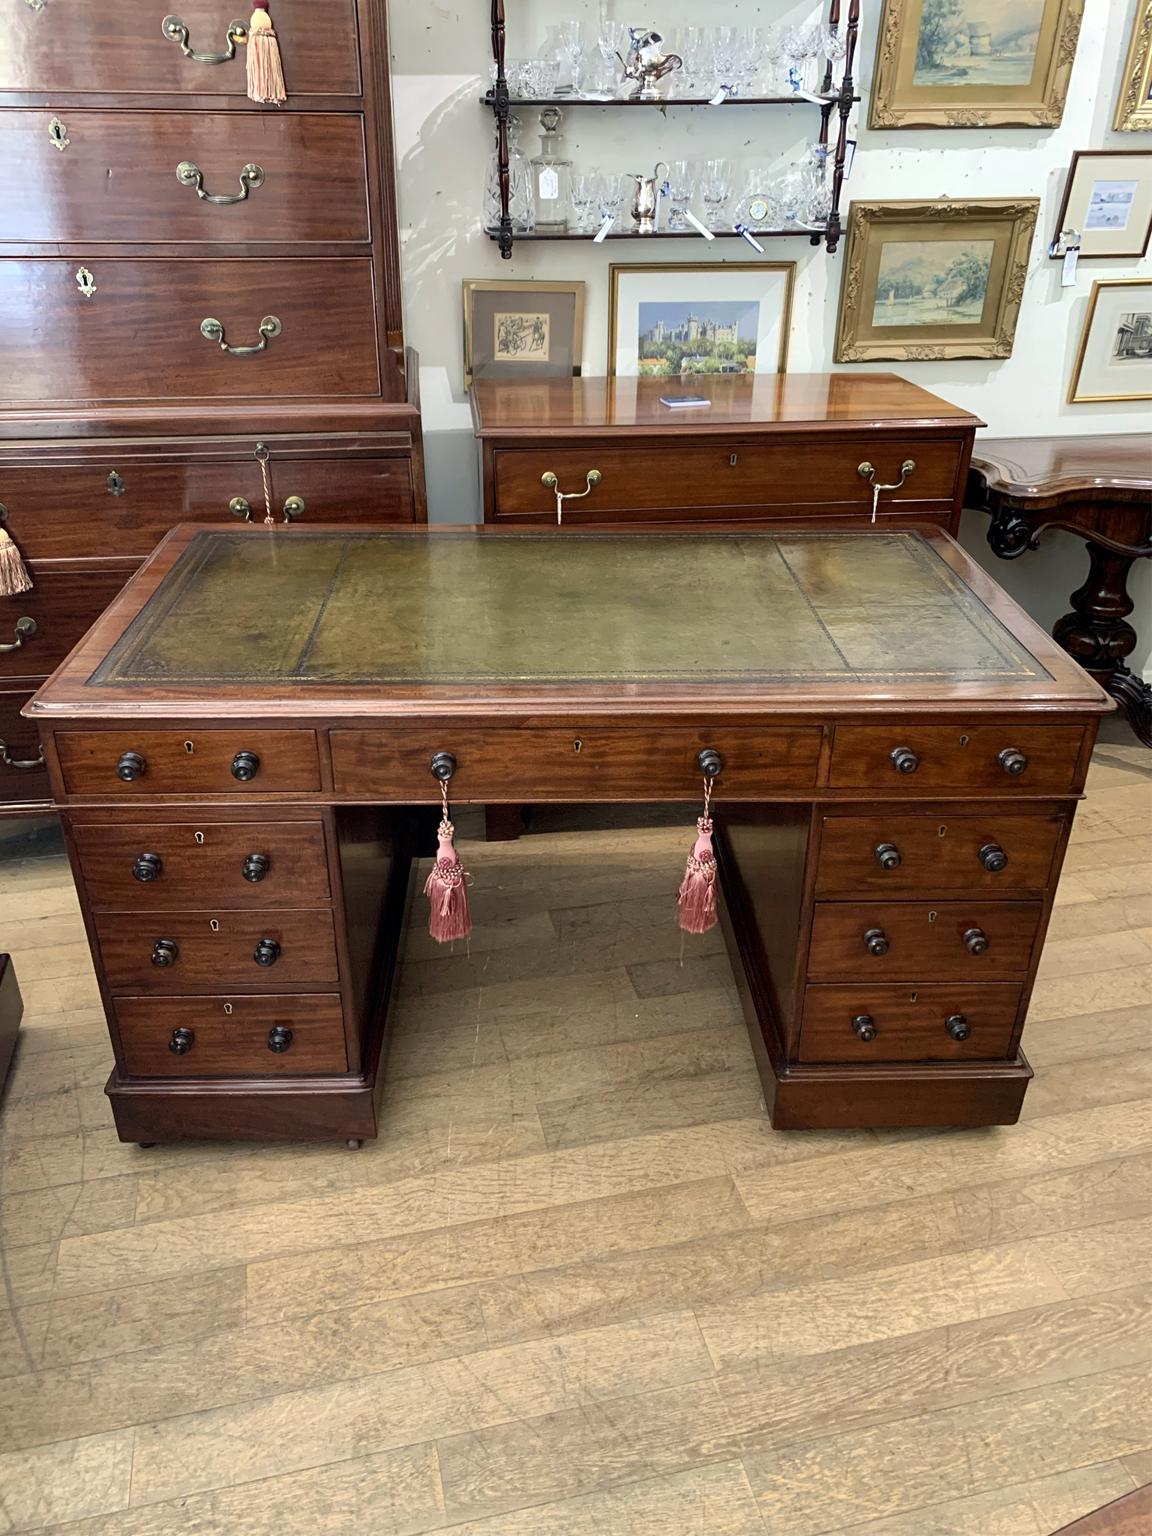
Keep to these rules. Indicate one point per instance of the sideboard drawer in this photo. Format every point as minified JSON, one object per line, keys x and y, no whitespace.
{"x":991,"y":851}
{"x":867,"y":1021}
{"x":971,"y":941}
{"x":121,"y":48}
{"x":204,"y":951}
{"x":60,"y":608}
{"x":115,"y":179}
{"x":140,"y":764}
{"x":23,"y":776}
{"x":231,"y":1037}
{"x":138,"y":335}
{"x":158,"y":865}
{"x":1030,"y":759}
{"x":577,"y":764}
{"x":658,"y":477}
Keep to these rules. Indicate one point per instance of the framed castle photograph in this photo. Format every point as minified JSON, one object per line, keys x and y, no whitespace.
{"x":522,"y":330}
{"x":1134,"y":109}
{"x":933,"y":281}
{"x":682,"y":320}
{"x":1114,"y":359}
{"x":974,"y":63}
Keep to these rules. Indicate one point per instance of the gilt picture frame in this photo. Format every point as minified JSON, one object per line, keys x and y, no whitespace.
{"x":933,"y":281}
{"x":1134,"y":109}
{"x":974,"y":63}
{"x":522,"y":330}
{"x":1114,"y":358}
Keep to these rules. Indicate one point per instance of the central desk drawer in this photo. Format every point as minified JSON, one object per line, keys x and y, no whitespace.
{"x":868,"y":1021}
{"x":158,"y":865}
{"x":204,"y":951}
{"x":990,"y":851}
{"x":514,"y":765}
{"x":973,"y":940}
{"x":231,"y":1037}
{"x":677,"y":478}
{"x":141,"y":764}
{"x":1028,"y":759}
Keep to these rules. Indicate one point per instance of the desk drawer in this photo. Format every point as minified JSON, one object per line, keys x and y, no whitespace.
{"x":138,"y":337}
{"x":155,"y":866}
{"x":23,"y":776}
{"x":231,"y":1037}
{"x":1028,"y":759}
{"x":61,"y":607}
{"x":120,"y":47}
{"x":140,"y":764}
{"x":868,"y":1021}
{"x":578,"y":764}
{"x":971,"y":941}
{"x":183,"y":952}
{"x":312,"y":185}
{"x":991,"y":851}
{"x":657,"y":476}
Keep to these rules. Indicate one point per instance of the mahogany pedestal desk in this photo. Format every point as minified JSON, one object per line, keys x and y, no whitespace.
{"x":237,"y":747}
{"x":1100,"y":488}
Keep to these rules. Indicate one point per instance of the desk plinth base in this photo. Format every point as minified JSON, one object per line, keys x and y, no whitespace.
{"x":325,"y":1110}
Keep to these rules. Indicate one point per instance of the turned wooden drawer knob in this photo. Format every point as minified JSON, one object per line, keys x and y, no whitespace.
{"x":958,"y":1026}
{"x":975,"y":941}
{"x":876,"y":941}
{"x":710,"y":763}
{"x":904,"y":760}
{"x":442,"y":766}
{"x":182,"y":1041}
{"x":280,"y":1039}
{"x":1012,"y":761}
{"x":255,"y":867}
{"x":148,"y":867}
{"x":993,"y":858}
{"x":165,"y":952}
{"x":864,"y":1027}
{"x":245,"y":766}
{"x":131,"y":766}
{"x":888,"y":856}
{"x":267,"y":952}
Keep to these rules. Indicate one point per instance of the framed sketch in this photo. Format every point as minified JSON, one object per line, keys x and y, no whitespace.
{"x":1114,"y":360}
{"x":1108,"y":202}
{"x":1134,"y":109}
{"x":687,"y":319}
{"x":974,"y":63}
{"x":522,"y":330}
{"x":936,"y":280}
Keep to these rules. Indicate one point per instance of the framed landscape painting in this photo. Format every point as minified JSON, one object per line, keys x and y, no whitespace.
{"x":936,"y":280}
{"x":974,"y":63}
{"x":522,"y":330}
{"x":1134,"y":109}
{"x":682,"y":320}
{"x":1114,"y":360}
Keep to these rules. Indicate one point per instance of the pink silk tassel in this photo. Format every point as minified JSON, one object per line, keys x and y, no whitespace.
{"x":447,"y":889}
{"x":698,"y":892}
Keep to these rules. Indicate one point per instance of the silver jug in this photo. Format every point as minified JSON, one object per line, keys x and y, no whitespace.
{"x":647,"y":202}
{"x":647,"y":63}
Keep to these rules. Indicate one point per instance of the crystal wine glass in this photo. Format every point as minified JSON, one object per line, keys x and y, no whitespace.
{"x":586,"y":197}
{"x":716,"y":190}
{"x":681,"y":190}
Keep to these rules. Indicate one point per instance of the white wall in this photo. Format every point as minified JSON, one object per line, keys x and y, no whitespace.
{"x":440,"y":57}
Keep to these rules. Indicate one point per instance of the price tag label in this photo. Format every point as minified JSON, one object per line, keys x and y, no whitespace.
{"x":696,"y":224}
{"x":549,"y":184}
{"x":602,"y":233}
{"x":721,"y":96}
{"x":1068,"y":271}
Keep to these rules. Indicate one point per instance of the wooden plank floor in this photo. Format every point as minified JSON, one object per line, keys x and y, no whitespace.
{"x":579,"y":1287}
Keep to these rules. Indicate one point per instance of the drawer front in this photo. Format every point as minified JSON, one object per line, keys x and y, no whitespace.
{"x":23,"y":776}
{"x":126,"y":507}
{"x":93,"y":762}
{"x":1029,"y":759}
{"x":867,"y":1021}
{"x":654,"y":476}
{"x":969,"y":941}
{"x":932,"y":856}
{"x":231,"y":1037}
{"x":177,"y":952}
{"x":43,"y":625}
{"x":121,"y":48}
{"x":154,"y":866}
{"x":138,"y":337}
{"x":312,"y":186}
{"x":593,"y":764}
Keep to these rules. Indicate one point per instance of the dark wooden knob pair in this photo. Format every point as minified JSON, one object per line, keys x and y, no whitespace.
{"x":956,"y":1025}
{"x":165,"y":953}
{"x":1012,"y":760}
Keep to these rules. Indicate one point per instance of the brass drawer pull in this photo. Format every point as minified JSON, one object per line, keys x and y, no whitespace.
{"x":867,"y":472}
{"x":293,"y":508}
{"x":212,"y":330}
{"x":176,"y":31}
{"x":25,"y":629}
{"x":592,"y":479}
{"x":190,"y":175}
{"x":20,"y":764}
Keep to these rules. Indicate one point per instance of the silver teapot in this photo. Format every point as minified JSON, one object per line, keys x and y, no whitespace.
{"x":648,"y":198}
{"x":647,"y":63}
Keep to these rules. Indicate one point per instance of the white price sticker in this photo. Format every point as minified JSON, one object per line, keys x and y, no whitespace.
{"x":1068,"y":271}
{"x":549,"y":184}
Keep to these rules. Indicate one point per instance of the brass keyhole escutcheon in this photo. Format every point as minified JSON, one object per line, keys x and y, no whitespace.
{"x":577,"y":745}
{"x":942,"y":831}
{"x":115,"y":483}
{"x":964,"y":741}
{"x":189,"y":747}
{"x":198,"y":839}
{"x":228,"y":1009}
{"x":58,"y":134}
{"x":932,"y":916}
{"x":214,"y":924}
{"x":85,"y":282}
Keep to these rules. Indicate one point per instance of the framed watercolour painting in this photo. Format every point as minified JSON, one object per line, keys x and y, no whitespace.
{"x":974,"y":63}
{"x":1108,"y":202}
{"x":1114,"y":359}
{"x":683,"y":320}
{"x":934,"y":280}
{"x":522,"y":330}
{"x":1134,"y":109}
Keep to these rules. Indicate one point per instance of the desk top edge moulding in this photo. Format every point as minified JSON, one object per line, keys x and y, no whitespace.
{"x":242,"y":819}
{"x":200,"y":305}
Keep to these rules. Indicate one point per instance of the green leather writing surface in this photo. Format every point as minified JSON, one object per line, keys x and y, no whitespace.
{"x":302,"y":606}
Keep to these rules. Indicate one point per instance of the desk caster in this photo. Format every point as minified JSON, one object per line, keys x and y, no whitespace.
{"x":145,"y":1146}
{"x":354,"y":1143}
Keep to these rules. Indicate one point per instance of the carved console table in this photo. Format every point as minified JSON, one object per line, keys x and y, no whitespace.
{"x":1100,"y":488}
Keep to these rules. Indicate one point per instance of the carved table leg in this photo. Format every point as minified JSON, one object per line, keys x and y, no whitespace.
{"x":503,"y":823}
{"x":1098,"y":635}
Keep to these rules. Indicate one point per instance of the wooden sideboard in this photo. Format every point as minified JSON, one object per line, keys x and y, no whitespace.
{"x":780,"y":447}
{"x":194,"y":290}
